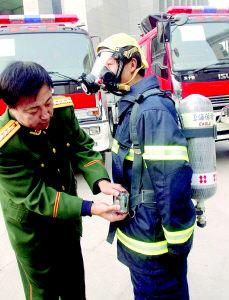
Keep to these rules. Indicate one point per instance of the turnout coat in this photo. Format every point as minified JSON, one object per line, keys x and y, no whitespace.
{"x":162,"y":214}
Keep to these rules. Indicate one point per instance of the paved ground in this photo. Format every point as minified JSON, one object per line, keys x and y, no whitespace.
{"x":107,"y":279}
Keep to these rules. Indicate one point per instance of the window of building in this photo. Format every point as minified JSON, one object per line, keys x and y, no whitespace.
{"x":14,"y":7}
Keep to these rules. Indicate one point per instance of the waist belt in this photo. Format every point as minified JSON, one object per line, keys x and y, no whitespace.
{"x":145,"y":197}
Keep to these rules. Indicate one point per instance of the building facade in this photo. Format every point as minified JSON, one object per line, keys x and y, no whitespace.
{"x":100,"y":17}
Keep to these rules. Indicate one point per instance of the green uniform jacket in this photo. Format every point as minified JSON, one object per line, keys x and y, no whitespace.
{"x":37,"y":184}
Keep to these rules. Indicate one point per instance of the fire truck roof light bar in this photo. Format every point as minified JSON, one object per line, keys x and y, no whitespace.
{"x":172,"y":10}
{"x":48,"y":18}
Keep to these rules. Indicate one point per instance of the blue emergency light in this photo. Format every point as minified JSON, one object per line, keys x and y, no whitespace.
{"x":32,"y":19}
{"x":196,"y":10}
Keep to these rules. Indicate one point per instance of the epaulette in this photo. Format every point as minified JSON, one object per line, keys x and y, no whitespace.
{"x":62,"y":101}
{"x":7,"y":131}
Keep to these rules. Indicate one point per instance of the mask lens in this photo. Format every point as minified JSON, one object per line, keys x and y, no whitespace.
{"x":112,"y":65}
{"x":100,"y":62}
{"x":103,"y":73}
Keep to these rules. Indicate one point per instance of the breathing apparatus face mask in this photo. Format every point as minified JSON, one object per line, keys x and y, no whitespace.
{"x":104,"y":74}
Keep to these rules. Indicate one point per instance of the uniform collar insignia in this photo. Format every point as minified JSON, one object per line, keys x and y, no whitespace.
{"x":35,"y":132}
{"x":7,"y":131}
{"x":62,"y":101}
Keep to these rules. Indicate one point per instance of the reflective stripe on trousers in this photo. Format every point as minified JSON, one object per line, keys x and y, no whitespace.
{"x":155,"y":248}
{"x":115,"y":146}
{"x":178,"y":237}
{"x":145,"y":248}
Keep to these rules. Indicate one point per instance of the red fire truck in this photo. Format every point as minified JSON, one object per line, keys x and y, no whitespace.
{"x":187,"y":48}
{"x":65,"y":50}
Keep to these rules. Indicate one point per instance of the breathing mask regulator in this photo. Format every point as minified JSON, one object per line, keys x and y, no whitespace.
{"x":101,"y":76}
{"x":107,"y":70}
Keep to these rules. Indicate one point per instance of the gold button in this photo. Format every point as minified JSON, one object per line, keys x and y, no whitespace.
{"x":68,"y":144}
{"x":54,"y":150}
{"x":63,"y":188}
{"x":42,"y":165}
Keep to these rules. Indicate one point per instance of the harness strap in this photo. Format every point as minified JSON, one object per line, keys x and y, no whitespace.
{"x":136,"y":178}
{"x":140,"y":180}
{"x":200,"y":132}
{"x":150,"y":92}
{"x":146,"y":197}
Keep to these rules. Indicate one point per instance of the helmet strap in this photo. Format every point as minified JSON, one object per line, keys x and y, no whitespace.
{"x":126,"y":55}
{"x":125,"y":86}
{"x":120,"y":69}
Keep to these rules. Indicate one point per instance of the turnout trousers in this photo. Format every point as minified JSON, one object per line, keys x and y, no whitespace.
{"x":166,"y":281}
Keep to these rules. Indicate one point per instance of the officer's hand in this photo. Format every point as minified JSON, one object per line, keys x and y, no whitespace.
{"x":109,"y":188}
{"x":108,"y":212}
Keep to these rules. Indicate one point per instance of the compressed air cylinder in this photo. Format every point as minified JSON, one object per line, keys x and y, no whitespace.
{"x":196,"y":114}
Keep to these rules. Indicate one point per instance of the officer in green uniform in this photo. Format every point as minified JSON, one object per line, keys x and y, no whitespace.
{"x":41,"y":148}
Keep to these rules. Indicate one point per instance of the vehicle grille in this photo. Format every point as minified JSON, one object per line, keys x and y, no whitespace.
{"x":219,"y":102}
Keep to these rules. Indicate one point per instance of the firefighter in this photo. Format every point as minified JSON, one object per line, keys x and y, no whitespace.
{"x":42,"y":146}
{"x":149,"y":158}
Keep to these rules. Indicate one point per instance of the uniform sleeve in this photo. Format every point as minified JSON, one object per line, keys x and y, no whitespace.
{"x":23,"y":186}
{"x":86,"y":160}
{"x":166,"y":159}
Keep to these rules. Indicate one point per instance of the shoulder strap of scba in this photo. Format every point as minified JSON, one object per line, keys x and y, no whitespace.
{"x":62,"y":101}
{"x":133,"y":117}
{"x":188,"y":133}
{"x":150,"y":92}
{"x":141,"y":176}
{"x":153,"y":92}
{"x":7,"y":131}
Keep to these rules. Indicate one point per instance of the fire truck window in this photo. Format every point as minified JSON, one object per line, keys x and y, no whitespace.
{"x":50,"y":50}
{"x":159,"y":59}
{"x":194,"y":51}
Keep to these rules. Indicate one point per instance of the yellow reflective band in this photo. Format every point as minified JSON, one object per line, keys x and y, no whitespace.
{"x":145,"y":248}
{"x":115,"y":146}
{"x":178,"y":237}
{"x":165,"y":153}
{"x":115,"y":149}
{"x":130,"y":155}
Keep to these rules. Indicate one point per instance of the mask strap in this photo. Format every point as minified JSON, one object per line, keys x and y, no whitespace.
{"x":120,"y":69}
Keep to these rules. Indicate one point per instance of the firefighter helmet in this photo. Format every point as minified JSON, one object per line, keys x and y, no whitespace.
{"x":118,"y":41}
